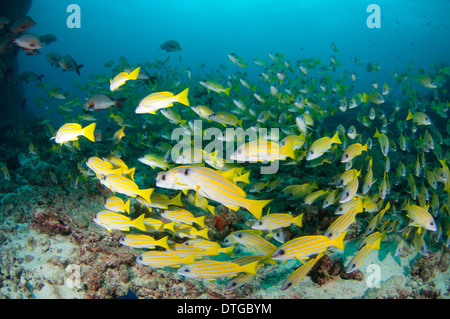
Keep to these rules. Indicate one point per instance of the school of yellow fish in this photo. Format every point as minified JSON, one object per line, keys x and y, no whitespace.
{"x":325,"y":128}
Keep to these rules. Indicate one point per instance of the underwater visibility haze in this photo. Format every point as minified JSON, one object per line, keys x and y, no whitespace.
{"x":224,"y":149}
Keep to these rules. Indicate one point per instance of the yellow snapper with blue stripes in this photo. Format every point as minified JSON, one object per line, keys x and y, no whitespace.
{"x":384,"y":142}
{"x":208,"y":183}
{"x":216,"y":87}
{"x":225,"y":119}
{"x":143,"y":241}
{"x":159,"y":100}
{"x":358,"y":260}
{"x":255,"y":243}
{"x":341,"y":224}
{"x":122,"y":185}
{"x":305,"y":246}
{"x":298,"y":274}
{"x":352,"y":151}
{"x":112,"y":220}
{"x":203,"y":111}
{"x":186,"y":231}
{"x":296,"y":191}
{"x":349,"y":191}
{"x":177,"y":214}
{"x":211,"y":269}
{"x":322,"y":145}
{"x":420,"y":217}
{"x":102,"y":168}
{"x":121,"y":78}
{"x":154,"y":161}
{"x":277,"y":220}
{"x":208,"y":245}
{"x":71,"y":131}
{"x":243,"y":277}
{"x":116,"y":204}
{"x":160,"y":259}
{"x":161,"y":201}
{"x":419,"y":118}
{"x":263,"y":150}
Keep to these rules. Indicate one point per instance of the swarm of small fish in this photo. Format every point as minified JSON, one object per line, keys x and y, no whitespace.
{"x":409,"y":202}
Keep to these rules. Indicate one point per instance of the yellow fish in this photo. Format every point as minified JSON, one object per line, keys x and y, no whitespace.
{"x":71,"y":131}
{"x":123,"y":77}
{"x":112,"y":220}
{"x":208,"y":183}
{"x":160,"y":100}
{"x":123,"y":185}
{"x":211,"y":269}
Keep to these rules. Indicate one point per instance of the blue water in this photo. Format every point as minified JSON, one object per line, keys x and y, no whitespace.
{"x":208,"y":31}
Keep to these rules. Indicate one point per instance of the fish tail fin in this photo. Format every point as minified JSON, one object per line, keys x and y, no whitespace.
{"x":288,"y":149}
{"x":203,"y":233}
{"x":228,"y":250}
{"x":88,"y":131}
{"x":183,"y":97}
{"x":201,"y":221}
{"x":338,"y":241}
{"x":145,"y":193}
{"x":249,"y":268}
{"x":130,"y":173}
{"x":176,"y":201}
{"x":244,"y":178}
{"x":133,"y":75}
{"x":336,"y":138}
{"x":227,"y":91}
{"x":212,"y":209}
{"x":377,"y":134}
{"x":299,"y":220}
{"x":120,"y":101}
{"x":366,"y":97}
{"x":183,"y":122}
{"x":410,"y":115}
{"x":163,"y":242}
{"x":139,"y":223}
{"x":127,"y":206}
{"x":256,"y":207}
{"x":240,"y":122}
{"x":78,"y":67}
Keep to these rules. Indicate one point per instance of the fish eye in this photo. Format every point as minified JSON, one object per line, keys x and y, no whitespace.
{"x":281,"y":252}
{"x":186,"y":172}
{"x":233,"y":284}
{"x":260,"y":223}
{"x":163,"y":177}
{"x":187,"y":270}
{"x":239,"y":151}
{"x":311,"y":152}
{"x":238,"y":235}
{"x":346,"y":155}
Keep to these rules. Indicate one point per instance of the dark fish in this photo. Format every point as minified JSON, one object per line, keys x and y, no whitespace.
{"x":67,"y":63}
{"x":171,"y":46}
{"x":54,"y":58}
{"x":22,"y":24}
{"x":48,"y":38}
{"x":29,"y":76}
